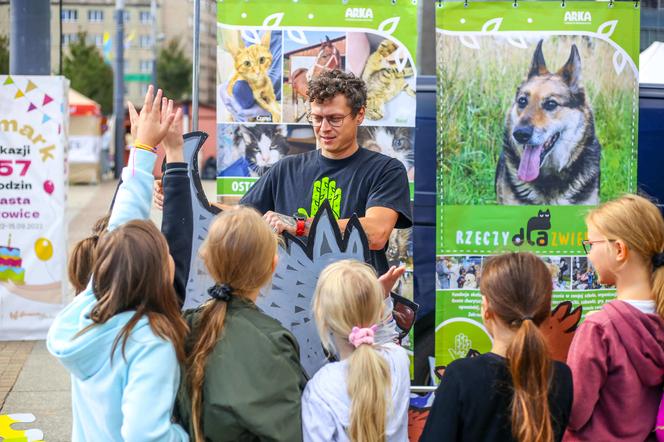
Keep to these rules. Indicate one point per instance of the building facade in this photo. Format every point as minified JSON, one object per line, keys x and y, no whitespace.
{"x":96,"y":18}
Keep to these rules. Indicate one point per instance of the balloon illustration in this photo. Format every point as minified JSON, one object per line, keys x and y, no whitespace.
{"x":43,"y":249}
{"x":49,"y":187}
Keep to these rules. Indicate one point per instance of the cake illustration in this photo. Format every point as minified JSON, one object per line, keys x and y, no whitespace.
{"x":10,"y":264}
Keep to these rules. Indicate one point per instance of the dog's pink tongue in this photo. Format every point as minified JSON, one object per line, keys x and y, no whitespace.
{"x":529,"y":167}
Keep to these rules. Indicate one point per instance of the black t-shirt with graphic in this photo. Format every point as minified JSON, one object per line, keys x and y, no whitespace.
{"x":300,"y":183}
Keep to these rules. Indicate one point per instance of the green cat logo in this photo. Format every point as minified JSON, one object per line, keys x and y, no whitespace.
{"x":324,"y":189}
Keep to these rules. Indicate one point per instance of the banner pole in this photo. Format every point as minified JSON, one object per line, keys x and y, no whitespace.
{"x":196,"y":65}
{"x":118,"y":88}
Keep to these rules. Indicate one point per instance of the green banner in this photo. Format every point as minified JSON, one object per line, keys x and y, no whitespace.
{"x":296,"y":41}
{"x":537,"y":123}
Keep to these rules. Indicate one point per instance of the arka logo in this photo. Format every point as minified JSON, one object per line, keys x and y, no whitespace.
{"x":578,"y":17}
{"x":359,"y":13}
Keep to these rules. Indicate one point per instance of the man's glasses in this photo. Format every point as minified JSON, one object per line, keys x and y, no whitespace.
{"x":333,"y":120}
{"x":588,"y":244}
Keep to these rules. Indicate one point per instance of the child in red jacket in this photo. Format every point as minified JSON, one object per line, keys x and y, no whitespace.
{"x":617,"y":355}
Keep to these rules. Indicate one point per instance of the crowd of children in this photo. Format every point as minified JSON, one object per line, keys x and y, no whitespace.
{"x":126,"y":342}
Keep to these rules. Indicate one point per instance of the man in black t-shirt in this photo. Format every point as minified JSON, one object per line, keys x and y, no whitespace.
{"x":354,"y":180}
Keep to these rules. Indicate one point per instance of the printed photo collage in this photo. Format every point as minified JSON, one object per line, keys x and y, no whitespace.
{"x":262,"y":101}
{"x":568,"y":273}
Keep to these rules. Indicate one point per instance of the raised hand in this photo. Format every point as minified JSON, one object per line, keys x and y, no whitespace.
{"x":389,"y":278}
{"x":173,"y":142}
{"x":152,"y":125}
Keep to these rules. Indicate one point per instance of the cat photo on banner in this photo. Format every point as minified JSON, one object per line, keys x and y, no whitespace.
{"x":249,"y":76}
{"x":249,"y":150}
{"x":390,"y":77}
{"x":306,"y":55}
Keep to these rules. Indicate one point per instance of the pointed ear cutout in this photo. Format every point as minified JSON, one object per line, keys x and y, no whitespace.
{"x":571,"y":71}
{"x":265,"y":39}
{"x":538,"y":65}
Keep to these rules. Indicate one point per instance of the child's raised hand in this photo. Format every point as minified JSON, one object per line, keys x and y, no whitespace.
{"x":152,"y":125}
{"x":389,"y":278}
{"x":173,"y":142}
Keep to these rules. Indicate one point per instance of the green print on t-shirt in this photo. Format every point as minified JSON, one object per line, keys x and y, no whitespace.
{"x":323,"y":189}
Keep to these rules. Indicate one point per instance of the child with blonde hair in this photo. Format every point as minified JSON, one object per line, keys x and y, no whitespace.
{"x":243,"y":377}
{"x":617,"y":354}
{"x":363,"y":397}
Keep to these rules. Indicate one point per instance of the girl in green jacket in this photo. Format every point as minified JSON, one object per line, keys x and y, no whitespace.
{"x":243,"y":375}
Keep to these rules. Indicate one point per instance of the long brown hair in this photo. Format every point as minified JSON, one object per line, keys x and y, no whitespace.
{"x":131,"y":273}
{"x":639,"y":223}
{"x":81,"y":258}
{"x":239,"y":251}
{"x":518,"y":289}
{"x":348,"y":294}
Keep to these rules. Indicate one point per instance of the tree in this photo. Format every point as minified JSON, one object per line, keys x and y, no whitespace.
{"x":4,"y":54}
{"x":85,"y":68}
{"x":174,"y":71}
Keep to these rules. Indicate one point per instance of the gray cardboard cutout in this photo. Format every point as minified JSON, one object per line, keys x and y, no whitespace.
{"x":289,"y":298}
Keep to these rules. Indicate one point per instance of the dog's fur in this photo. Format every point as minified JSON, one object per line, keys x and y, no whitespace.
{"x":550,"y":152}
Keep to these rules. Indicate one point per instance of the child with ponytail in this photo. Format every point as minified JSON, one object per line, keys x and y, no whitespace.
{"x":363,"y":397}
{"x":515,"y":392}
{"x":122,"y":337}
{"x":617,"y":354}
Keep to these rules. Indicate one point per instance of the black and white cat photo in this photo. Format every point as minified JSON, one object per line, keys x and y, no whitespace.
{"x":395,"y":142}
{"x":263,"y":145}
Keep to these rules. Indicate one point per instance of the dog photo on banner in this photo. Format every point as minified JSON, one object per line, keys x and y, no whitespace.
{"x":537,"y":122}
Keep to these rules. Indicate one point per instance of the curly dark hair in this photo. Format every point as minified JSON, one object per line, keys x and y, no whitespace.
{"x":331,"y":83}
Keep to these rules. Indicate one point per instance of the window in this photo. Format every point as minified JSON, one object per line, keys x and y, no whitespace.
{"x":143,"y":89}
{"x":145,"y":17}
{"x":69,"y":15}
{"x":146,"y":66}
{"x":69,"y":38}
{"x":96,"y":39}
{"x":652,"y":22}
{"x":127,"y":16}
{"x":95,"y":15}
{"x":145,"y":42}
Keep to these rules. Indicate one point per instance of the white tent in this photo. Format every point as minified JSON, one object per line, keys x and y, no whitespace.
{"x":651,"y":64}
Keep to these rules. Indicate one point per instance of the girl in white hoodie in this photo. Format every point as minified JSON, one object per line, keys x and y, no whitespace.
{"x":363,"y":397}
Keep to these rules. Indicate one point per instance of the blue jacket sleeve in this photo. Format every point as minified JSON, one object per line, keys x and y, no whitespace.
{"x":177,"y":223}
{"x":134,"y":196}
{"x":148,"y":397}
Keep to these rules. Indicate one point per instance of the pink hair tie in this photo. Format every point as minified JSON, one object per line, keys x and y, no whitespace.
{"x":359,"y":336}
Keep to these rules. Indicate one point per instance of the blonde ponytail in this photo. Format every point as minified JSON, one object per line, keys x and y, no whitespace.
{"x":368,"y":387}
{"x":349,"y":295}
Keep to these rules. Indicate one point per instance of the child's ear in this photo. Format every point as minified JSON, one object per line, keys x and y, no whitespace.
{"x":622,"y":251}
{"x":275,"y":261}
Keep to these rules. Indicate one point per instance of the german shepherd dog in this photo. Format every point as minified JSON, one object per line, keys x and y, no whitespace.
{"x":550,"y":152}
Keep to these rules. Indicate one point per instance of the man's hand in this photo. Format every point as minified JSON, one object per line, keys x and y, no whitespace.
{"x":389,"y":278}
{"x":152,"y":124}
{"x":280,"y":223}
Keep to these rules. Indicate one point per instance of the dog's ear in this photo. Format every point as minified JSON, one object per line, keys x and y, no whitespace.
{"x":571,"y":71}
{"x":538,"y":66}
